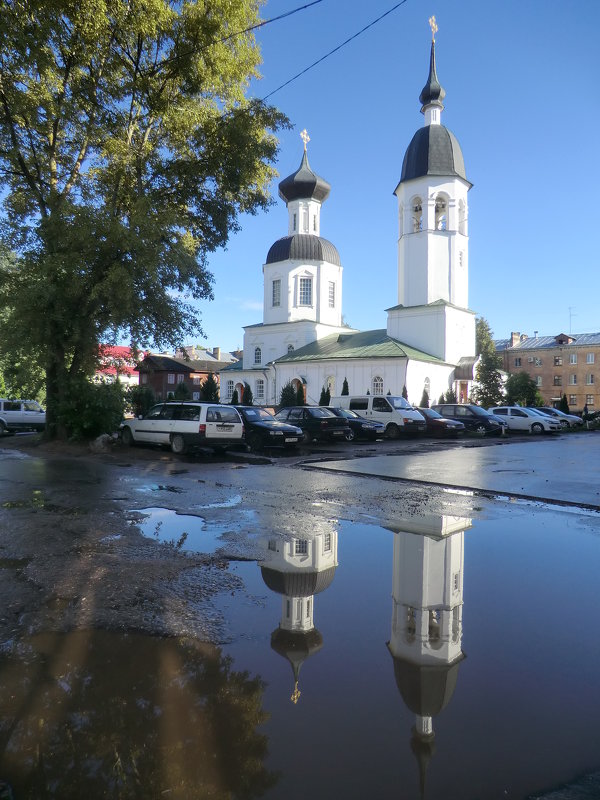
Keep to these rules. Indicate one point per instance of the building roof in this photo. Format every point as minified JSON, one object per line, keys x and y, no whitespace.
{"x":301,"y":583}
{"x":465,"y":369}
{"x":153,"y":363}
{"x":426,"y":688}
{"x":303,"y":247}
{"x":549,"y":342}
{"x":362,"y":344}
{"x":432,"y":93}
{"x":433,"y":150}
{"x":304,"y":184}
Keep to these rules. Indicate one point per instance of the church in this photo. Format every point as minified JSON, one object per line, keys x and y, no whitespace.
{"x":429,"y":339}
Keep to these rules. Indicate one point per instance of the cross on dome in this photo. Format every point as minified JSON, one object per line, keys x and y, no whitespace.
{"x":305,"y":137}
{"x":434,"y":27}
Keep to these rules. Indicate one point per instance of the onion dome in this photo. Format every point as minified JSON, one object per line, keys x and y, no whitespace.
{"x":433,"y":150}
{"x":304,"y":184}
{"x":304,"y":247}
{"x":432,"y":93}
{"x":426,"y":688}
{"x":300,"y":583}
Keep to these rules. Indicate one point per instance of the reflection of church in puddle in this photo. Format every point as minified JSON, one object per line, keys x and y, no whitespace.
{"x":427,"y":590}
{"x":298,"y":569}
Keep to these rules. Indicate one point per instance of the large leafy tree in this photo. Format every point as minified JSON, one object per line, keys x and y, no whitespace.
{"x":521,"y":389}
{"x":489,"y":389}
{"x":127,"y":151}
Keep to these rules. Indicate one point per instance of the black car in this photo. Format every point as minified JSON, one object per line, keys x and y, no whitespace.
{"x":360,"y":427}
{"x":316,"y":422}
{"x":474,"y":418}
{"x":437,"y":425}
{"x":263,"y":430}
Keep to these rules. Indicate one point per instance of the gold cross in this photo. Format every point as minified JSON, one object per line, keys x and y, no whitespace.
{"x":434,"y":28}
{"x":305,"y":137}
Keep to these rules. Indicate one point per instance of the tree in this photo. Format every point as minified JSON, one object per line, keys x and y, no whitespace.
{"x":424,"y":399}
{"x":522,"y":390}
{"x":235,"y":400}
{"x":288,"y":396}
{"x":489,"y":390}
{"x":300,"y":395}
{"x":450,"y":396}
{"x":210,"y":389}
{"x":127,"y":152}
{"x":345,"y":390}
{"x":182,"y":392}
{"x":139,"y":399}
{"x":325,"y":396}
{"x":247,"y":397}
{"x":564,"y":404}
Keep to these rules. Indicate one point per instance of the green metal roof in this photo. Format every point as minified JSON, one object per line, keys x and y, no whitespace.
{"x":364,"y":344}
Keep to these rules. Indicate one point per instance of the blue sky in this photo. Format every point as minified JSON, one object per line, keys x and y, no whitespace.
{"x":521,"y":81}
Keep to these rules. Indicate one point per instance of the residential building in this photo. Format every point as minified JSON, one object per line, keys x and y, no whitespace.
{"x":163,"y":373}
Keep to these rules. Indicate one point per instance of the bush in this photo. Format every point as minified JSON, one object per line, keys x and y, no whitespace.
{"x":235,"y":400}
{"x":210,"y":389}
{"x":325,"y":397}
{"x":345,"y":390}
{"x":139,"y":400}
{"x":182,"y":392}
{"x":92,"y":409}
{"x":300,"y":395}
{"x":247,"y":398}
{"x":288,"y":396}
{"x":424,"y":399}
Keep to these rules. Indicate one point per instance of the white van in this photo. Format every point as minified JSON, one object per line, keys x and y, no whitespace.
{"x":396,"y":413}
{"x":21,"y":415}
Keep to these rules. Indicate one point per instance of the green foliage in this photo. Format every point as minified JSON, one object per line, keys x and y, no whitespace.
{"x":441,"y":400}
{"x":450,"y":397}
{"x":300,"y":395}
{"x":92,"y":409}
{"x":247,"y":397}
{"x":325,"y":396}
{"x":235,"y":400}
{"x":404,"y":392}
{"x":564,"y":404}
{"x":139,"y":400}
{"x":288,"y":396}
{"x":182,"y":392}
{"x":489,"y":389}
{"x":128,"y":151}
{"x":345,"y":390}
{"x":210,"y":389}
{"x":424,"y":399}
{"x":522,"y":390}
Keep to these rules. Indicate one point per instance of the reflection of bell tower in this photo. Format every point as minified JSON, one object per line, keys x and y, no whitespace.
{"x":298,"y":569}
{"x":427,"y":590}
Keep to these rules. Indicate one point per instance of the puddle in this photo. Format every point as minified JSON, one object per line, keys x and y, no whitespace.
{"x":159,"y":487}
{"x":187,"y":532}
{"x":233,"y":501}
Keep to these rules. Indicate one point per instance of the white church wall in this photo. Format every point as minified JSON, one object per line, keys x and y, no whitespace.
{"x":437,"y":378}
{"x":460,"y":334}
{"x":422,"y":327}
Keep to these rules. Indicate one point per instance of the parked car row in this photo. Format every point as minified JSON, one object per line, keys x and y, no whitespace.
{"x":186,"y":425}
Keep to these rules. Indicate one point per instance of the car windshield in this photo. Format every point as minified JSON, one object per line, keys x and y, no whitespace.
{"x":429,"y":412}
{"x":255,"y":413}
{"x":344,"y":412}
{"x":320,"y":412}
{"x":399,"y":402}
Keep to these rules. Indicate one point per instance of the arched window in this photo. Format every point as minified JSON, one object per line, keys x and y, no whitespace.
{"x":257,"y":355}
{"x":290,"y":349}
{"x":441,"y":213}
{"x":330,"y":384}
{"x":417,"y":214}
{"x":260,"y":389}
{"x":377,"y":385}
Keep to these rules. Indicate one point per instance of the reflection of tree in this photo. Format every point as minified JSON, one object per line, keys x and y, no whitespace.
{"x":95,"y":714}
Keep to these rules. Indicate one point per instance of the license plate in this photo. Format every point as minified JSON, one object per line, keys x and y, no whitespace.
{"x":338,"y":433}
{"x":291,"y":439}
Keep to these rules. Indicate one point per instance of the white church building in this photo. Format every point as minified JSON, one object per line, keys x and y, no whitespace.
{"x":429,"y":340}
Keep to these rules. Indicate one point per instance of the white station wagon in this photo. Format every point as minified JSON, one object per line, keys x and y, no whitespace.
{"x":185,"y":425}
{"x":21,"y":415}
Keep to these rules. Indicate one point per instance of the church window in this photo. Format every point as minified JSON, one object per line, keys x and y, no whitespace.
{"x":327,"y":543}
{"x":305,"y":297}
{"x":260,"y":389}
{"x":573,"y":358}
{"x":290,"y":349}
{"x":377,"y":385}
{"x":456,"y":581}
{"x":308,"y":609}
{"x":330,"y":384}
{"x":417,"y":214}
{"x":434,"y":625}
{"x":229,"y":390}
{"x":301,"y":547}
{"x":277,"y":292}
{"x":441,"y":213}
{"x":257,"y":355}
{"x":305,"y":220}
{"x":331,"y":294}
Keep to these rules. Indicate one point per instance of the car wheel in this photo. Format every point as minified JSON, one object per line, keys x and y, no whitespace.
{"x":307,"y":437}
{"x":564,"y":423}
{"x":392,"y":431}
{"x":349,"y":436}
{"x":480,"y":430}
{"x":127,"y":437}
{"x":537,"y":427}
{"x":178,"y":444}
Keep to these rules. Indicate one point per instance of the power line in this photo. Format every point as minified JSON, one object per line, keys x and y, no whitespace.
{"x":335,"y":49}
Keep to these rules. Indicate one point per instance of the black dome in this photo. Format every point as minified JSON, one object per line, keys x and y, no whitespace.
{"x":303,"y":583}
{"x":304,"y":184}
{"x":433,"y":150}
{"x":426,"y":689}
{"x":304,"y":247}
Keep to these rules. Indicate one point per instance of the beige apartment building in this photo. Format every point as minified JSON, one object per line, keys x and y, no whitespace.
{"x":563,"y":364}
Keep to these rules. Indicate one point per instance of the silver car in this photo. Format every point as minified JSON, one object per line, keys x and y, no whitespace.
{"x":526,"y":419}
